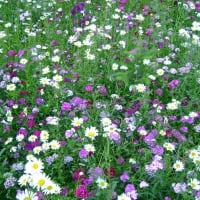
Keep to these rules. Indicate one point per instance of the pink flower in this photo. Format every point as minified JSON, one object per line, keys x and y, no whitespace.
{"x":81,"y":192}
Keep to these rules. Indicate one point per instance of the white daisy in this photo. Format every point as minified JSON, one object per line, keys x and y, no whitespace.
{"x":11,"y":87}
{"x":54,"y":144}
{"x":34,"y":166}
{"x":102,"y":184}
{"x":89,"y":148}
{"x":106,"y":121}
{"x":23,"y":180}
{"x":26,"y":195}
{"x":194,"y":184}
{"x":178,"y":166}
{"x":44,"y":136}
{"x":91,"y":132}
{"x":123,"y":196}
{"x":40,"y":181}
{"x":140,"y":88}
{"x":77,"y":122}
{"x":169,"y":146}
{"x":51,"y":188}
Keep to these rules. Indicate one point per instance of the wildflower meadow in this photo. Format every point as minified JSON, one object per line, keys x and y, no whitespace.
{"x":99,"y":100}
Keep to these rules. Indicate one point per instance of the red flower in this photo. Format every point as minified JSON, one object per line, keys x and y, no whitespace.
{"x":110,"y":172}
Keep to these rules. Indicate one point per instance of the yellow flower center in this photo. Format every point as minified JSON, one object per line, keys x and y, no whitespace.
{"x":49,"y":187}
{"x":35,"y":166}
{"x":41,"y":182}
{"x":91,"y":134}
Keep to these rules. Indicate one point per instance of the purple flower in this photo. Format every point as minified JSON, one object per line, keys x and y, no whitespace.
{"x":66,"y":106}
{"x":102,"y":90}
{"x":197,"y":6}
{"x":131,"y":191}
{"x":68,"y":159}
{"x":124,"y":177}
{"x":197,"y":193}
{"x":78,"y":8}
{"x":79,"y":174}
{"x":39,"y":101}
{"x":49,"y":160}
{"x":178,"y":135}
{"x":22,"y":131}
{"x":95,"y":172}
{"x":197,"y":128}
{"x":123,"y":1}
{"x":157,"y":150}
{"x":21,"y":53}
{"x":121,"y":160}
{"x":88,"y":181}
{"x":159,"y":91}
{"x":187,"y":119}
{"x":155,"y":165}
{"x":81,"y":192}
{"x":9,"y":182}
{"x":64,"y":191}
{"x":114,"y":136}
{"x":184,"y":129}
{"x":88,"y":88}
{"x":172,"y":84}
{"x":83,"y":153}
{"x":17,"y":166}
{"x":179,"y":187}
{"x":69,"y":133}
{"x":167,"y":198}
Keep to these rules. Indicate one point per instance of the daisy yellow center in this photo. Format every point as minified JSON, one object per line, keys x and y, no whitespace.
{"x":102,"y":184}
{"x":193,"y":185}
{"x":49,"y":187}
{"x":178,"y":166}
{"x":41,"y":182}
{"x":91,"y":134}
{"x":27,"y":198}
{"x":193,"y":154}
{"x":197,"y":161}
{"x":35,"y":166}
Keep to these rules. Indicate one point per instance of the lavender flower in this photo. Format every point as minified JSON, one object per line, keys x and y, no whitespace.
{"x":179,"y":187}
{"x":68,"y":159}
{"x":9,"y":182}
{"x":17,"y":166}
{"x":124,"y":177}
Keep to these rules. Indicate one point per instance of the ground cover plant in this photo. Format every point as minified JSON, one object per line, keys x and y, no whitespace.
{"x":99,"y":100}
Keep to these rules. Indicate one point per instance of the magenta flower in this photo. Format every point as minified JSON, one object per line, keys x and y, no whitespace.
{"x":81,"y":192}
{"x":172,"y":84}
{"x":197,"y":6}
{"x":30,"y":123}
{"x":102,"y":90}
{"x":79,"y":174}
{"x":66,"y":106}
{"x":83,"y":153}
{"x":123,"y":1}
{"x":88,"y":88}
